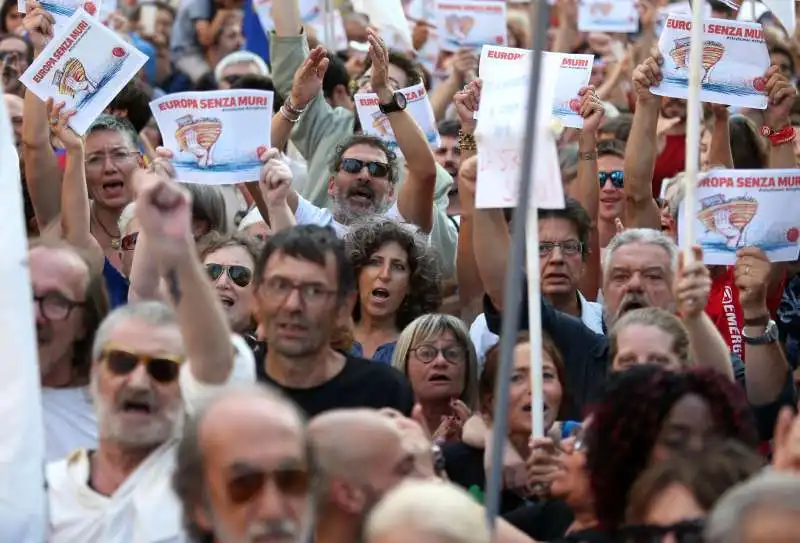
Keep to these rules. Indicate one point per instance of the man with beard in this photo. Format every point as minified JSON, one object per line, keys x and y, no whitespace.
{"x":361,"y":457}
{"x":245,"y":471}
{"x":148,"y":362}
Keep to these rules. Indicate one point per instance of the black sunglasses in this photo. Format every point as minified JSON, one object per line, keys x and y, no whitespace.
{"x":240,"y":275}
{"x":375,"y":169}
{"x":617,"y":178}
{"x":244,"y":487}
{"x":690,"y":531}
{"x":164,"y":369}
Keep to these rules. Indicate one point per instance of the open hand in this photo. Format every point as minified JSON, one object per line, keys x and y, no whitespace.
{"x":307,"y":83}
{"x":379,"y":71}
{"x":59,"y":126}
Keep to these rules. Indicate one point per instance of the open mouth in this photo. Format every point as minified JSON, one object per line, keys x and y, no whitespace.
{"x":632,"y":305}
{"x":227,"y":301}
{"x":527,"y":408}
{"x":362,"y":194}
{"x":380,"y":293}
{"x":439,"y":378}
{"x":139,"y":407}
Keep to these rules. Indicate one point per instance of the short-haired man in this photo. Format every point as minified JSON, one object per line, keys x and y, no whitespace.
{"x":236,"y":65}
{"x":305,"y":289}
{"x":245,"y":470}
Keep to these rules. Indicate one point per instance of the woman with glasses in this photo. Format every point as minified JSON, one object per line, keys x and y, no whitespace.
{"x":398,"y":280}
{"x":435,"y":354}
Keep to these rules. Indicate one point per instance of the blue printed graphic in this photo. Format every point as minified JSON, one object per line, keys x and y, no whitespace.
{"x":736,"y":89}
{"x":218,"y":167}
{"x":105,"y":78}
{"x":59,"y":9}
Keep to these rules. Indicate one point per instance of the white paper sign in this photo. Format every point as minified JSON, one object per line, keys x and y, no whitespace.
{"x":216,"y":136}
{"x":608,"y":16}
{"x":338,"y":42}
{"x":85,"y":66}
{"x":375,"y":123}
{"x":310,"y":10}
{"x":388,"y":17}
{"x":684,"y":8}
{"x":470,"y":23}
{"x":573,"y":74}
{"x":501,"y":136}
{"x":62,"y":10}
{"x":745,"y":208}
{"x":735,"y":59}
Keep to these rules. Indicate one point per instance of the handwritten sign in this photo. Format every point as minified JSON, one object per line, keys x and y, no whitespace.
{"x":85,"y":66}
{"x":62,"y":10}
{"x":574,"y":72}
{"x":501,"y":136}
{"x":745,"y":208}
{"x":608,"y":16}
{"x":470,"y":23}
{"x":216,"y":136}
{"x":735,"y":59}
{"x":375,"y":123}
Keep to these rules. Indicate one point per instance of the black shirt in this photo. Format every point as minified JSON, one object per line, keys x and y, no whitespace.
{"x":361,"y":383}
{"x":544,"y":520}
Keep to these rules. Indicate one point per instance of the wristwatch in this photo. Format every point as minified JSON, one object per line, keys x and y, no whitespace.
{"x":770,"y":335}
{"x":398,"y":103}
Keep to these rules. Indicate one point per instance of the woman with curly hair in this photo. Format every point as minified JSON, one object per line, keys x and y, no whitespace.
{"x":646,"y":415}
{"x":398,"y":280}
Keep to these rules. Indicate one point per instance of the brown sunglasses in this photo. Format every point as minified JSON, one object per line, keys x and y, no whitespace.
{"x":164,"y":369}
{"x":249,"y":483}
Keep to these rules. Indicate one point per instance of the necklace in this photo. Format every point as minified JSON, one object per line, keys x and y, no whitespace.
{"x":115,"y":241}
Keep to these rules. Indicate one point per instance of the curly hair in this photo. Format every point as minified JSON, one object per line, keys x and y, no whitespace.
{"x":424,"y":293}
{"x":627,"y":422}
{"x":372,"y":141}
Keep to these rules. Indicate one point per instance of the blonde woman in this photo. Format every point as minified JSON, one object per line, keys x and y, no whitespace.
{"x":650,"y":336}
{"x":436,"y":355}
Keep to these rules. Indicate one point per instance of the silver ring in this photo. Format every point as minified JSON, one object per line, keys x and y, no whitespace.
{"x":747,"y":270}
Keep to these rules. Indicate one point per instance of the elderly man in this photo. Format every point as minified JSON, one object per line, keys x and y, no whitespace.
{"x":236,"y":65}
{"x":149,"y":364}
{"x":245,"y":470}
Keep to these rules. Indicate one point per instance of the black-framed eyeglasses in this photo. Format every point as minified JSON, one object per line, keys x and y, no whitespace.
{"x":56,"y":307}
{"x":569,"y":247}
{"x":280,"y":288}
{"x":375,"y":169}
{"x":428,"y":353}
{"x":128,"y":243}
{"x":689,"y":531}
{"x":240,"y":275}
{"x":617,"y":178}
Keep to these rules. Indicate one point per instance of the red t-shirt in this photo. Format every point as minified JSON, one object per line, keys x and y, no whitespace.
{"x":670,"y":162}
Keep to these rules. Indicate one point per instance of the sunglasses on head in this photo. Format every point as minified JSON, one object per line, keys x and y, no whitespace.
{"x":616,"y":176}
{"x":164,"y":368}
{"x":375,"y":169}
{"x":247,"y":485}
{"x":240,"y":275}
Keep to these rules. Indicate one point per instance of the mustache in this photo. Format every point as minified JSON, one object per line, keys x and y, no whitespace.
{"x":360,"y":189}
{"x":450,"y":165}
{"x":272,"y":529}
{"x":136,"y":395}
{"x":631,"y":301}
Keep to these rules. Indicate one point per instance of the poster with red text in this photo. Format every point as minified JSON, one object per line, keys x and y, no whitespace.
{"x":216,"y":136}
{"x":470,"y":23}
{"x":734,"y":61}
{"x":608,"y":16}
{"x":62,"y":10}
{"x":746,"y":208}
{"x":85,"y":66}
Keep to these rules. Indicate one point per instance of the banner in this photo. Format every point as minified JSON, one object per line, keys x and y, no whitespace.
{"x":745,"y":208}
{"x":216,"y":136}
{"x":735,"y":59}
{"x":85,"y":66}
{"x":470,"y":23}
{"x":608,"y":16}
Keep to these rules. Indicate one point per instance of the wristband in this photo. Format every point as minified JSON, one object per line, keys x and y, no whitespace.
{"x":288,"y":114}
{"x":778,"y":137}
{"x":293,"y":108}
{"x":466,"y":141}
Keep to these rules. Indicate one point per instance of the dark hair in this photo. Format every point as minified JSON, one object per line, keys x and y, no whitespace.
{"x":372,"y":141}
{"x":312,"y":243}
{"x":747,"y":147}
{"x":208,"y":205}
{"x":28,"y":45}
{"x":449,"y":127}
{"x":424,"y":285}
{"x":718,"y":5}
{"x":707,"y":475}
{"x":259,"y":82}
{"x":782,"y":49}
{"x":7,"y":6}
{"x":575,"y":213}
{"x":630,"y":411}
{"x":134,"y":101}
{"x":335,"y":75}
{"x":619,"y":127}
{"x":136,"y":14}
{"x":410,"y":68}
{"x":611,"y":148}
{"x":491,"y":366}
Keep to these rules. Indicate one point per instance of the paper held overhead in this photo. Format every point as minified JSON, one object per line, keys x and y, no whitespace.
{"x":608,"y":16}
{"x":388,"y":17}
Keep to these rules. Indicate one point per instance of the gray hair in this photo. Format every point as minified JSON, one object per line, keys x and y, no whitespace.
{"x":645,"y":236}
{"x":151,"y":312}
{"x":770,"y":491}
{"x":240,"y":57}
{"x":208,"y":204}
{"x":111,"y":123}
{"x":432,"y":507}
{"x":128,"y":212}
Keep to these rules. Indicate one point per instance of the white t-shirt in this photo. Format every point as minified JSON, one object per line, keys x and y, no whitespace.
{"x":70,"y":422}
{"x":308,"y":213}
{"x":144,"y":509}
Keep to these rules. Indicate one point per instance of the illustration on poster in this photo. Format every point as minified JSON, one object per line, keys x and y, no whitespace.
{"x":602,"y":8}
{"x":713,"y":51}
{"x":728,"y":218}
{"x":76,"y":82}
{"x":381,"y":124}
{"x":198,"y":137}
{"x":67,"y":10}
{"x":459,"y":27}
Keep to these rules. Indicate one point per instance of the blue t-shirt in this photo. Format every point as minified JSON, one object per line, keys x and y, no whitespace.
{"x":116,"y":284}
{"x":384,"y":353}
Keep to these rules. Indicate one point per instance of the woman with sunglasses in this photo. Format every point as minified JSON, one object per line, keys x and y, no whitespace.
{"x":229,"y":262}
{"x":398,"y":281}
{"x":436,"y":355}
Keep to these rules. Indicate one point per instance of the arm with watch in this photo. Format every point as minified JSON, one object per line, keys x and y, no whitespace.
{"x":416,"y":195}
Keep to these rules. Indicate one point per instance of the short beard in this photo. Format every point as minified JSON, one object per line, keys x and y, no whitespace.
{"x":344,"y":214}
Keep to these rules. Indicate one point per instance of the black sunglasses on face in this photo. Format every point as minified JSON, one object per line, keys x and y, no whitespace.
{"x":375,"y":169}
{"x":164,"y":369}
{"x":690,"y":531}
{"x":240,"y":275}
{"x":617,"y":178}
{"x":244,"y":487}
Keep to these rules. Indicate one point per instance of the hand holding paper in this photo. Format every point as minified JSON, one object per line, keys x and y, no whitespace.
{"x":59,"y":117}
{"x":591,"y":109}
{"x":692,"y":284}
{"x":466,"y":102}
{"x":751,"y":273}
{"x":646,"y":75}
{"x":781,"y":96}
{"x":275,"y":181}
{"x":38,"y":25}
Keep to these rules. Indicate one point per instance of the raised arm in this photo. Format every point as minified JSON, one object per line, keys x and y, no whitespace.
{"x":276,"y":189}
{"x":782,"y":95}
{"x":720,"y":153}
{"x":641,"y":151}
{"x":462,"y":71}
{"x":567,"y":35}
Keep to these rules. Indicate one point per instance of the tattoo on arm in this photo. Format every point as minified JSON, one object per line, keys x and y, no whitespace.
{"x":174,"y":286}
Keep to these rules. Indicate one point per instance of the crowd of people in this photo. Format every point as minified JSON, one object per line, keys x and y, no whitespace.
{"x":314,"y":357}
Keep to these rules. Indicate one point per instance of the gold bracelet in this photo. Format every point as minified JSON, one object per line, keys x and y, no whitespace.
{"x":588,"y":155}
{"x":466,"y":141}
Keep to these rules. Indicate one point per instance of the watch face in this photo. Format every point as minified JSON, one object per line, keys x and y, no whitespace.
{"x":400,"y":98}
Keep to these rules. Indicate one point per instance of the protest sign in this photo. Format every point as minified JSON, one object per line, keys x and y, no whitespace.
{"x":470,"y":23}
{"x":310,"y":10}
{"x":419,"y":10}
{"x":216,"y":137}
{"x":735,"y":59}
{"x":388,"y":17}
{"x":85,"y":66}
{"x":501,"y":135}
{"x":745,"y":208}
{"x":683,"y":8}
{"x":608,"y":16}
{"x":375,"y":123}
{"x":338,"y":41}
{"x":574,"y":72}
{"x":62,"y":10}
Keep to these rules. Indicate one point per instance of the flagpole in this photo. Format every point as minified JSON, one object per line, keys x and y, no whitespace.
{"x":693,"y":115}
{"x":514,"y":278}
